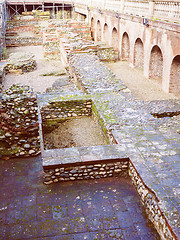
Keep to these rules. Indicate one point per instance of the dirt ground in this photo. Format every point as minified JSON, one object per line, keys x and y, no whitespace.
{"x":141,"y":87}
{"x":35,"y":79}
{"x":76,"y":132}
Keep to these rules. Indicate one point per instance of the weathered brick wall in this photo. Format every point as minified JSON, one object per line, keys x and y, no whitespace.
{"x":174,"y":85}
{"x":156,"y":63}
{"x":138,"y":54}
{"x":130,"y":28}
{"x":125,"y":47}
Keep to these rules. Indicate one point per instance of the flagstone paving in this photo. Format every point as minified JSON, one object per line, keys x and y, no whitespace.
{"x":146,"y":131}
{"x":97,"y":209}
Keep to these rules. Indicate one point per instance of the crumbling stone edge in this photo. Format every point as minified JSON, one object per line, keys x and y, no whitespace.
{"x":59,"y":167}
{"x":113,"y":168}
{"x":85,"y":171}
{"x":151,"y":204}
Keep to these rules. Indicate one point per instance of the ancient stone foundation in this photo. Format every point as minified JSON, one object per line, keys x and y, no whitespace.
{"x":89,"y":170}
{"x":66,"y":109}
{"x":151,"y":204}
{"x":23,"y":32}
{"x":97,"y":162}
{"x":19,"y":128}
{"x":20,"y":62}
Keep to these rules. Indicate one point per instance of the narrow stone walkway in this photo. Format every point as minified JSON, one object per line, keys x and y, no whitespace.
{"x":98,"y":209}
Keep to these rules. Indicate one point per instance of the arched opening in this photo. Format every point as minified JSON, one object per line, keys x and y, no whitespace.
{"x":98,"y":31}
{"x":92,"y":28}
{"x":125,"y":47}
{"x":106,"y":33}
{"x":138,"y":54}
{"x":174,"y":85}
{"x":156,"y":63}
{"x":115,"y":39}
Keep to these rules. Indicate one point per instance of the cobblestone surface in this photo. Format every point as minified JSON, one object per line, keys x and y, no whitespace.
{"x":94,"y":75}
{"x":97,"y":209}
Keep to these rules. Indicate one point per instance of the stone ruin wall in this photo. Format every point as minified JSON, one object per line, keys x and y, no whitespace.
{"x":15,"y":28}
{"x":66,"y":109}
{"x":19,"y":127}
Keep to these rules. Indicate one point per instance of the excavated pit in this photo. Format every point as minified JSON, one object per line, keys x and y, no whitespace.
{"x":76,"y":132}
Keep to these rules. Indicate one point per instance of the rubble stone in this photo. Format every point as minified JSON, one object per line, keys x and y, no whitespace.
{"x":20,"y":62}
{"x":18,"y":131}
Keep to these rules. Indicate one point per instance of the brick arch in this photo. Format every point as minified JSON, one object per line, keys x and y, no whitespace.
{"x":98,"y":31}
{"x":139,"y":54}
{"x":156,"y":63}
{"x":115,"y":39}
{"x":92,"y":28}
{"x":125,"y":47}
{"x":106,"y":33}
{"x":174,"y":84}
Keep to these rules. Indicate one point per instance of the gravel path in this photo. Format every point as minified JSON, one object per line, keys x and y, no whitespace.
{"x":141,"y":87}
{"x":35,"y":79}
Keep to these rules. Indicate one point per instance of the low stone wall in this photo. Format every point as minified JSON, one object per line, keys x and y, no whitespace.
{"x":66,"y":109}
{"x":51,"y":44}
{"x":25,"y":41}
{"x":77,"y":39}
{"x":92,"y":81}
{"x":151,"y":205}
{"x":16,"y":29}
{"x":16,"y":23}
{"x":19,"y":127}
{"x":89,"y":170}
{"x":21,"y":62}
{"x":107,"y":54}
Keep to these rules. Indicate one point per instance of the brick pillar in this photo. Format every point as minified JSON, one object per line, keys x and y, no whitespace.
{"x":166,"y":75}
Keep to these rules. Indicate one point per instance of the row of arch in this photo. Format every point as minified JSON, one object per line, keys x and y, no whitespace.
{"x":156,"y":56}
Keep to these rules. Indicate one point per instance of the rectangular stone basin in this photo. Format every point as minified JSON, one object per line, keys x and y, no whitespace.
{"x":68,"y":124}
